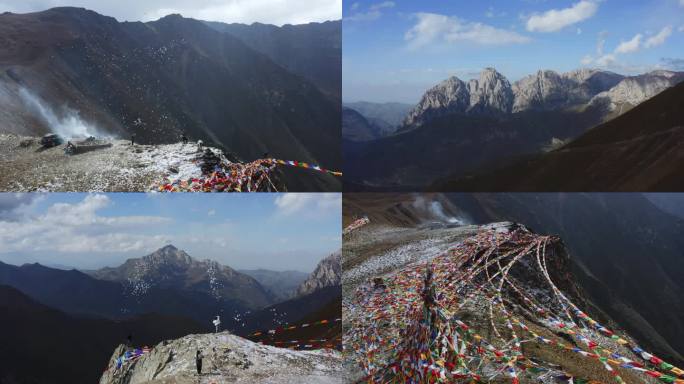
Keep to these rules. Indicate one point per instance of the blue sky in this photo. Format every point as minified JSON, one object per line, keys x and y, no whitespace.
{"x":273,"y":231}
{"x":395,"y":50}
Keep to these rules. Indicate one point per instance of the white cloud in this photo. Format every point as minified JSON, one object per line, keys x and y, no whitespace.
{"x":374,"y":11}
{"x":15,"y":205}
{"x":291,"y":203}
{"x":433,"y":27}
{"x":78,"y":228}
{"x":635,"y":44}
{"x":605,"y":60}
{"x":233,"y":11}
{"x":659,"y":38}
{"x":211,"y":212}
{"x":557,"y":19}
{"x":384,"y":4}
{"x":630,"y":46}
{"x":681,"y":28}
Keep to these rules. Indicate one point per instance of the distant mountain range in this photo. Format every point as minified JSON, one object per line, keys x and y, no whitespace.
{"x":166,"y":294}
{"x":167,"y":281}
{"x":388,"y":117}
{"x":243,"y":90}
{"x":493,"y":94}
{"x":180,"y":292}
{"x":172,"y":268}
{"x":281,"y":284}
{"x":459,"y":129}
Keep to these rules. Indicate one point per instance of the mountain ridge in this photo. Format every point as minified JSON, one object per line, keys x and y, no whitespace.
{"x":171,"y":267}
{"x":492,"y":94}
{"x":161,"y":79}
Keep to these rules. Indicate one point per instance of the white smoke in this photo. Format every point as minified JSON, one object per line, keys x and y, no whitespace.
{"x":68,"y":125}
{"x":435,"y":211}
{"x":438,"y":211}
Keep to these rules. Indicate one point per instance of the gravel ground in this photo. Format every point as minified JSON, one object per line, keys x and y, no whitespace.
{"x":25,"y":166}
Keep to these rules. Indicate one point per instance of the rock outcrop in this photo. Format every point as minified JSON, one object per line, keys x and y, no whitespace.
{"x":490,"y":94}
{"x":226,"y":359}
{"x":493,"y":95}
{"x":632,"y":91}
{"x":550,"y":90}
{"x":328,"y":273}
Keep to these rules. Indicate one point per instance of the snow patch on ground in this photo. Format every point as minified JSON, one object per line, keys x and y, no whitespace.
{"x":26,"y":166}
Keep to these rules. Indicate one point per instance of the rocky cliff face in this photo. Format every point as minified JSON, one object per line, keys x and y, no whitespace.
{"x":492,"y":94}
{"x":634,"y":90}
{"x":328,"y":273}
{"x":550,"y":90}
{"x":227,"y":359}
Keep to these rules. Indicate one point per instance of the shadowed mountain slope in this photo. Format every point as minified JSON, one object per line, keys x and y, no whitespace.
{"x":641,"y":150}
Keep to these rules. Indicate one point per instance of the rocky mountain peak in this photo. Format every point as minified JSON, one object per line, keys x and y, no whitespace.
{"x":449,"y":96}
{"x":581,"y":74}
{"x":544,"y":89}
{"x":173,"y":268}
{"x":169,"y":254}
{"x":328,"y":273}
{"x":492,"y":93}
{"x":489,"y":94}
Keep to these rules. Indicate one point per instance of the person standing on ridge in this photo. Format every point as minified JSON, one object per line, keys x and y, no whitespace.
{"x":132,"y":138}
{"x":198,"y":362}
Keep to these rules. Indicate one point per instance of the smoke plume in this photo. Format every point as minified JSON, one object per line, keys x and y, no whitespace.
{"x":433,"y":210}
{"x":68,"y":124}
